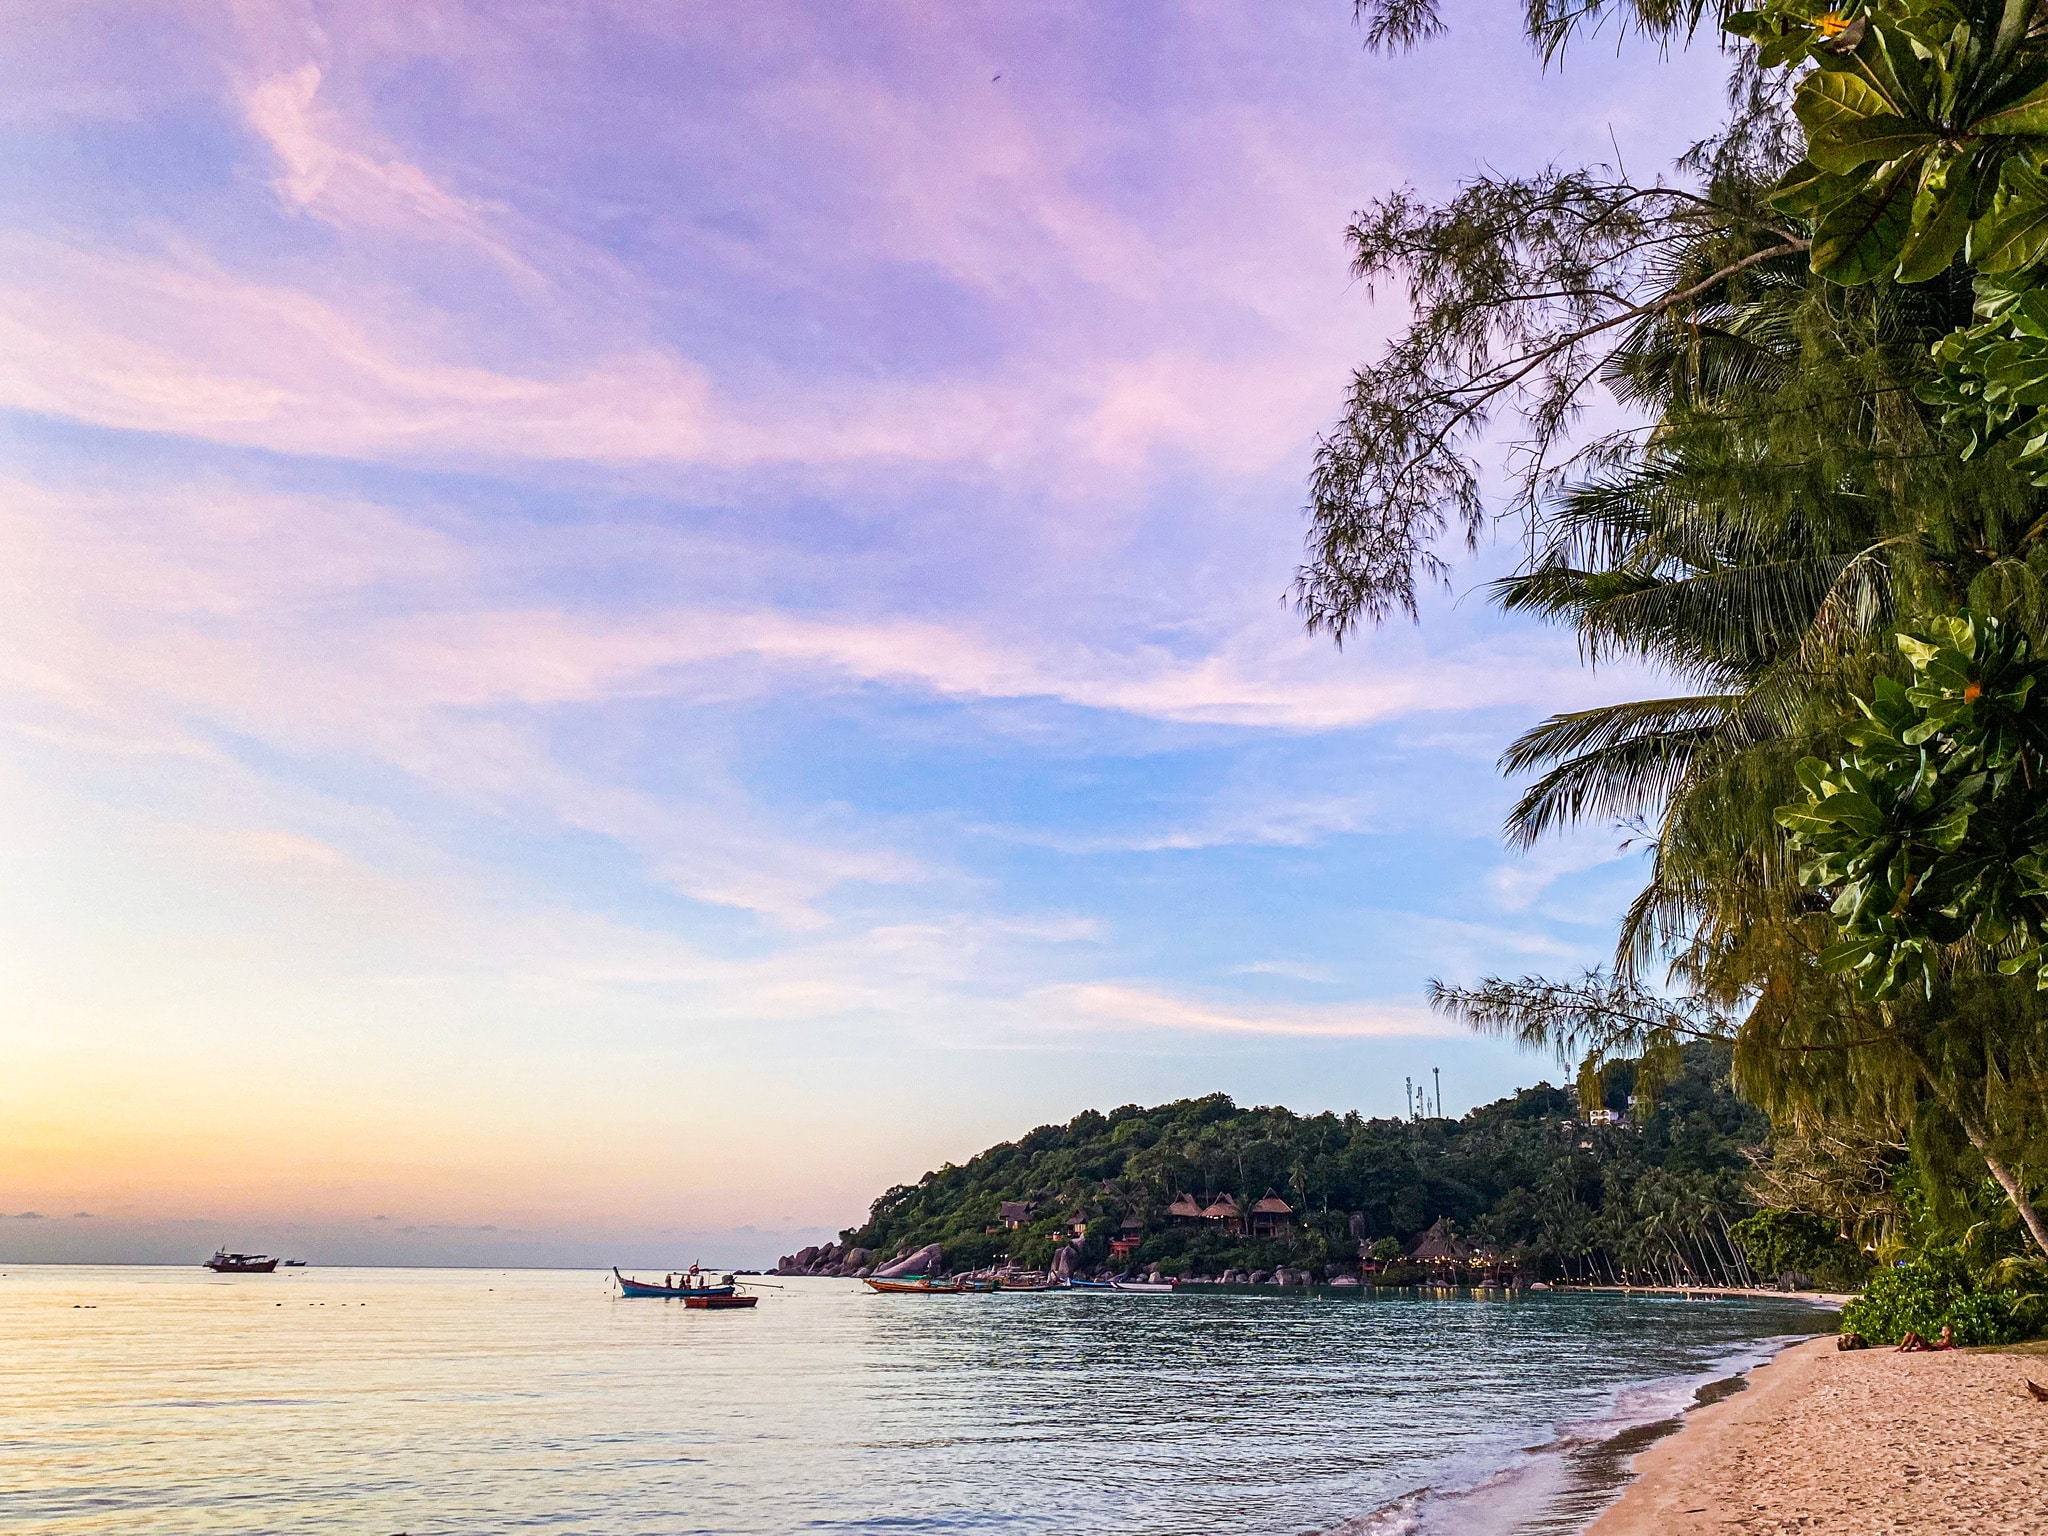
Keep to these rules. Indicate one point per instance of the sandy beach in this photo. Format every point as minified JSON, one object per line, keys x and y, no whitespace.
{"x":1870,"y":1441}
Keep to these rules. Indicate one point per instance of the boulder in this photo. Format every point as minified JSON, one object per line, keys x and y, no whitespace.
{"x":1260,"y":1277}
{"x":859,"y":1256}
{"x":1063,"y":1263}
{"x":1344,"y":1280}
{"x":926,"y":1261}
{"x":806,"y":1257}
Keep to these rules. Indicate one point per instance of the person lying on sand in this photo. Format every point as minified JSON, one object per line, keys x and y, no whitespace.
{"x":1912,"y":1342}
{"x":1852,"y":1340}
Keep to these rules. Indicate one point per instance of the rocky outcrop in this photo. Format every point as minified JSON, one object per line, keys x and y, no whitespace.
{"x":928,"y":1260}
{"x":832,"y":1259}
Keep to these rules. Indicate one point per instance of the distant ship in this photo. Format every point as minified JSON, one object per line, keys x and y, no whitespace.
{"x":225,"y":1263}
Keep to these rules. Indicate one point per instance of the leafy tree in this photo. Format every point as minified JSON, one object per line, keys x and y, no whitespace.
{"x":1778,"y":1241}
{"x":1812,"y":477}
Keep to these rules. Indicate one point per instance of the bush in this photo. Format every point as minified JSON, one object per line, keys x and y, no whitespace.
{"x":1934,"y":1291}
{"x":1792,"y":1242}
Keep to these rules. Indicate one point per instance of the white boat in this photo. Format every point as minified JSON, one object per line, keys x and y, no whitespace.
{"x":1147,"y":1287}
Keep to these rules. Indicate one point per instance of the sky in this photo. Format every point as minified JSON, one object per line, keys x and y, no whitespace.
{"x":628,"y":624}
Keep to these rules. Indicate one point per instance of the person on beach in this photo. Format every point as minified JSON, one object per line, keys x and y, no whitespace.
{"x":1912,"y":1343}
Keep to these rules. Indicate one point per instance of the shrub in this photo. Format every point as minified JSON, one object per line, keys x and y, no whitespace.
{"x":1933,"y":1291}
{"x":1781,"y":1242}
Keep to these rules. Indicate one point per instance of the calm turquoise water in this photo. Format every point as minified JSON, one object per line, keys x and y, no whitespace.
{"x":465,"y":1401}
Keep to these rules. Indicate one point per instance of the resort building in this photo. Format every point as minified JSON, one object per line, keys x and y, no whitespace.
{"x":1015,"y":1213}
{"x":1185,"y":1210}
{"x":1271,"y":1216}
{"x":1224,"y":1211}
{"x":1441,"y":1249}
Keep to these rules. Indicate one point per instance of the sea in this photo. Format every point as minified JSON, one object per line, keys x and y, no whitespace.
{"x":455,"y":1402}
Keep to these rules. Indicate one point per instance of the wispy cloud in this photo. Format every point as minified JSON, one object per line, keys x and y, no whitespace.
{"x":1519,"y":885}
{"x":356,"y":188}
{"x":1133,"y":1007}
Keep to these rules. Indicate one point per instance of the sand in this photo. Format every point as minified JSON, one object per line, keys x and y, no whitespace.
{"x":1834,"y":1444}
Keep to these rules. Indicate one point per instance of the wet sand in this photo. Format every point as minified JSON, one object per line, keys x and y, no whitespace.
{"x":1847,"y":1444}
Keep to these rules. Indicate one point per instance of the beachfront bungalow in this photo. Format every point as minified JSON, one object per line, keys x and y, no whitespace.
{"x":1185,"y":1211}
{"x":1271,"y":1216}
{"x":1225,"y":1212}
{"x":1015,"y":1213}
{"x":1441,"y":1249}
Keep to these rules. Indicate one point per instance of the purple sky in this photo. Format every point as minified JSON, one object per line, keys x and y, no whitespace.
{"x":711,"y":577}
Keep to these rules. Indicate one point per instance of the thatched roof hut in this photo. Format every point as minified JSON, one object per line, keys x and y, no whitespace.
{"x":1442,"y":1245}
{"x":1224,"y":1210}
{"x":1185,"y":1208}
{"x":1270,"y":1214}
{"x":1014,"y":1213}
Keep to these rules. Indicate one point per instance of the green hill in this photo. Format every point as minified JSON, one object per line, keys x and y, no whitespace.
{"x":1529,"y":1176}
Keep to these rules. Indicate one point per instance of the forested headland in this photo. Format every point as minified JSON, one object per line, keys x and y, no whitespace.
{"x":1532,"y":1185}
{"x":1528,"y":1182}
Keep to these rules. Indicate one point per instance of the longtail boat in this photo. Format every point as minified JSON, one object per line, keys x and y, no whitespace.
{"x":1147,"y":1287}
{"x":914,"y":1285}
{"x":225,"y":1263}
{"x":681,"y":1292}
{"x":719,"y":1303}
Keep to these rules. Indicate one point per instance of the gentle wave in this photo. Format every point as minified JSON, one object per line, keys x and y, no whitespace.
{"x":1557,"y":1487}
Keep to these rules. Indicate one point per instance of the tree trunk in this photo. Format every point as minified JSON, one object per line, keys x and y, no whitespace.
{"x":1741,"y":1258}
{"x":1974,"y":1129}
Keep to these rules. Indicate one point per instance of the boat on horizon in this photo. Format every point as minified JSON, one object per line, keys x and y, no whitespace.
{"x":225,"y":1263}
{"x":669,"y":1289}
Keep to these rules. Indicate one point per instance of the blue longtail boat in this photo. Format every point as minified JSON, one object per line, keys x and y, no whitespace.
{"x":681,"y":1292}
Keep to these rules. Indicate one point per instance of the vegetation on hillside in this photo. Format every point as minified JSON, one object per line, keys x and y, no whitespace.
{"x":1527,"y":1176}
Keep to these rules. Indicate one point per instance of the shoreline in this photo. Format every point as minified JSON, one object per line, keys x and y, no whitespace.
{"x":1864,"y":1441}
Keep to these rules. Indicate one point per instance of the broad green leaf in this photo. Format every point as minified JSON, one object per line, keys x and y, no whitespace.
{"x":1751,"y":24}
{"x":1808,"y":192}
{"x":1841,"y":147}
{"x":2028,"y":115}
{"x":1860,"y":240}
{"x":1850,"y":952}
{"x":1941,"y":220}
{"x":1833,"y":98}
{"x":2014,"y":234}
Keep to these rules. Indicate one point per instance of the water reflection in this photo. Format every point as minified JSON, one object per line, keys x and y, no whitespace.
{"x":471,"y":1401}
